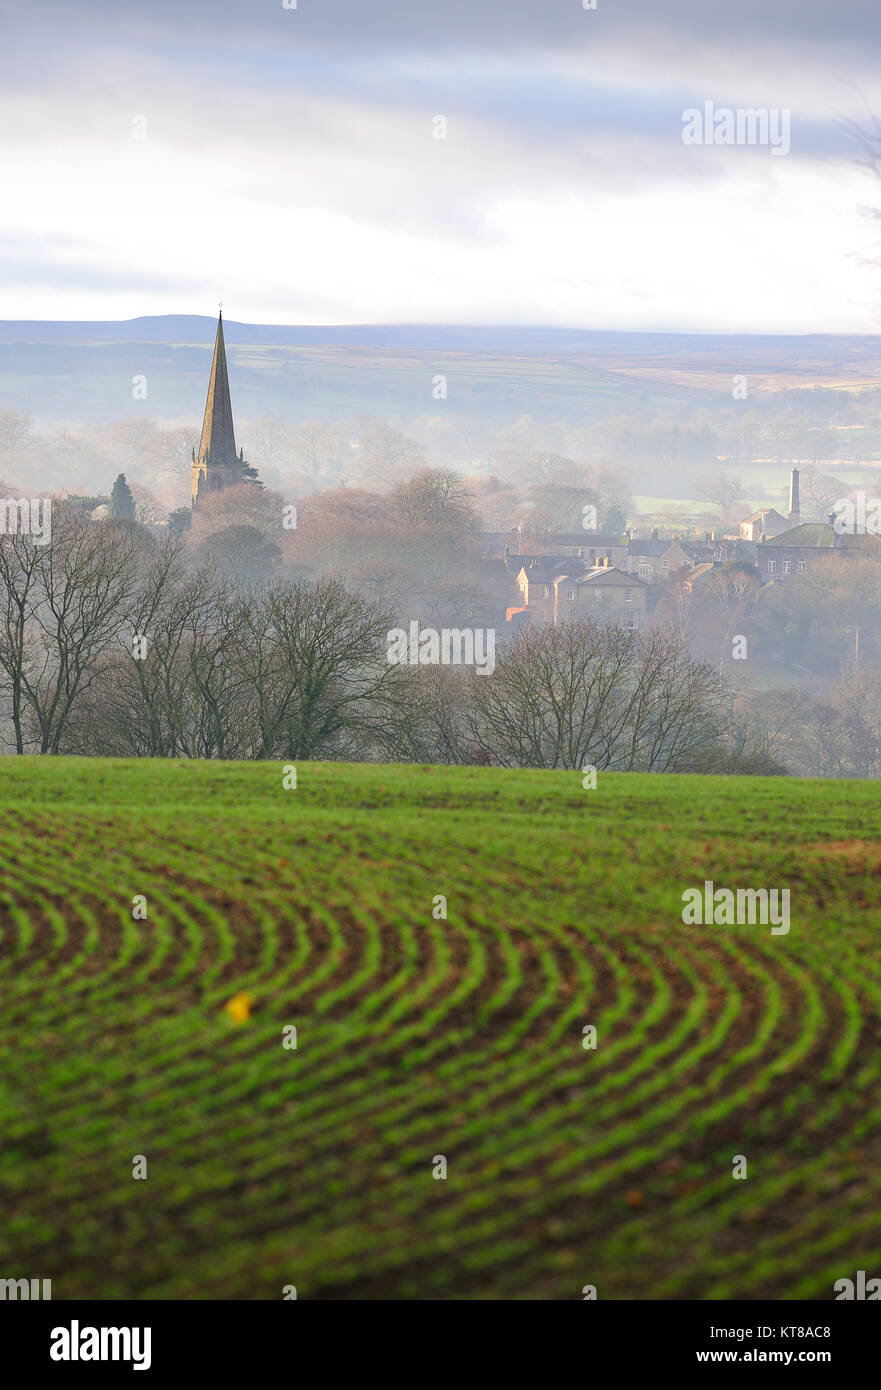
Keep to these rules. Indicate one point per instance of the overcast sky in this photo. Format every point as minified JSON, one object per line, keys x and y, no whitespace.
{"x":290,"y":165}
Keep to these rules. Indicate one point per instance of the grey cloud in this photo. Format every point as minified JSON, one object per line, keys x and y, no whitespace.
{"x":489,"y":61}
{"x":498,"y":26}
{"x":17,"y":269}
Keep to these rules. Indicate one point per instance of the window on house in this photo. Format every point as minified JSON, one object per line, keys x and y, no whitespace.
{"x":772,"y":565}
{"x":628,"y":595}
{"x":570,"y":593}
{"x":664,"y":564}
{"x":800,"y":567}
{"x":598,"y":593}
{"x":630,"y":620}
{"x":643,"y":571}
{"x":787,"y":567}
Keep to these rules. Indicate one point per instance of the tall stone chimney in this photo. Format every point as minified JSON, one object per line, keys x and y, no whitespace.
{"x":793,"y":498}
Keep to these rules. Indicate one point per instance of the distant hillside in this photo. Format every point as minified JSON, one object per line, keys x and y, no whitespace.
{"x":199,"y":328}
{"x":82,"y":372}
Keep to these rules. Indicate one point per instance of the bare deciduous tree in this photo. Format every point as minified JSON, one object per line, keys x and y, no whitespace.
{"x":723,"y":491}
{"x":586,"y":693}
{"x":83,"y":582}
{"x":16,"y":431}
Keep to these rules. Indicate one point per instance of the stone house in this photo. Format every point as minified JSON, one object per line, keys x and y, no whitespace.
{"x":795,"y":551}
{"x":654,"y":559}
{"x":610,"y":595}
{"x":766,"y":523}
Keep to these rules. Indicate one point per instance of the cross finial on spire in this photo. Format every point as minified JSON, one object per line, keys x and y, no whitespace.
{"x":220,"y":307}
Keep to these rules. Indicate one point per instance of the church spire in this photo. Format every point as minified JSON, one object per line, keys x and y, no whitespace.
{"x":218,"y":442}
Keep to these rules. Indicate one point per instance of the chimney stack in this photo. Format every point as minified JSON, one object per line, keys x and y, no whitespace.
{"x":793,"y":498}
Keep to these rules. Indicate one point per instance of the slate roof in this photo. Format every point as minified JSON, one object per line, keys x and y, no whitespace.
{"x":553,"y":567}
{"x":607,"y":572}
{"x":588,"y":538}
{"x":654,"y":549}
{"x":820,"y":535}
{"x":761,"y":514}
{"x":814,"y":535}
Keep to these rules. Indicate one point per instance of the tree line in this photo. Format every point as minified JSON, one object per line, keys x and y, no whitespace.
{"x":114,"y":642}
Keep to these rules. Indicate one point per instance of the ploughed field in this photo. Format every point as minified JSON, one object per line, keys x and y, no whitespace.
{"x":419,"y":1037}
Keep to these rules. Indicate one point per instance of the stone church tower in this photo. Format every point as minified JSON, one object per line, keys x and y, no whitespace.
{"x":217,"y":465}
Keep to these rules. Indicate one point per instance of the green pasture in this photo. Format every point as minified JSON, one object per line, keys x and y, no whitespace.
{"x":422,"y":1037}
